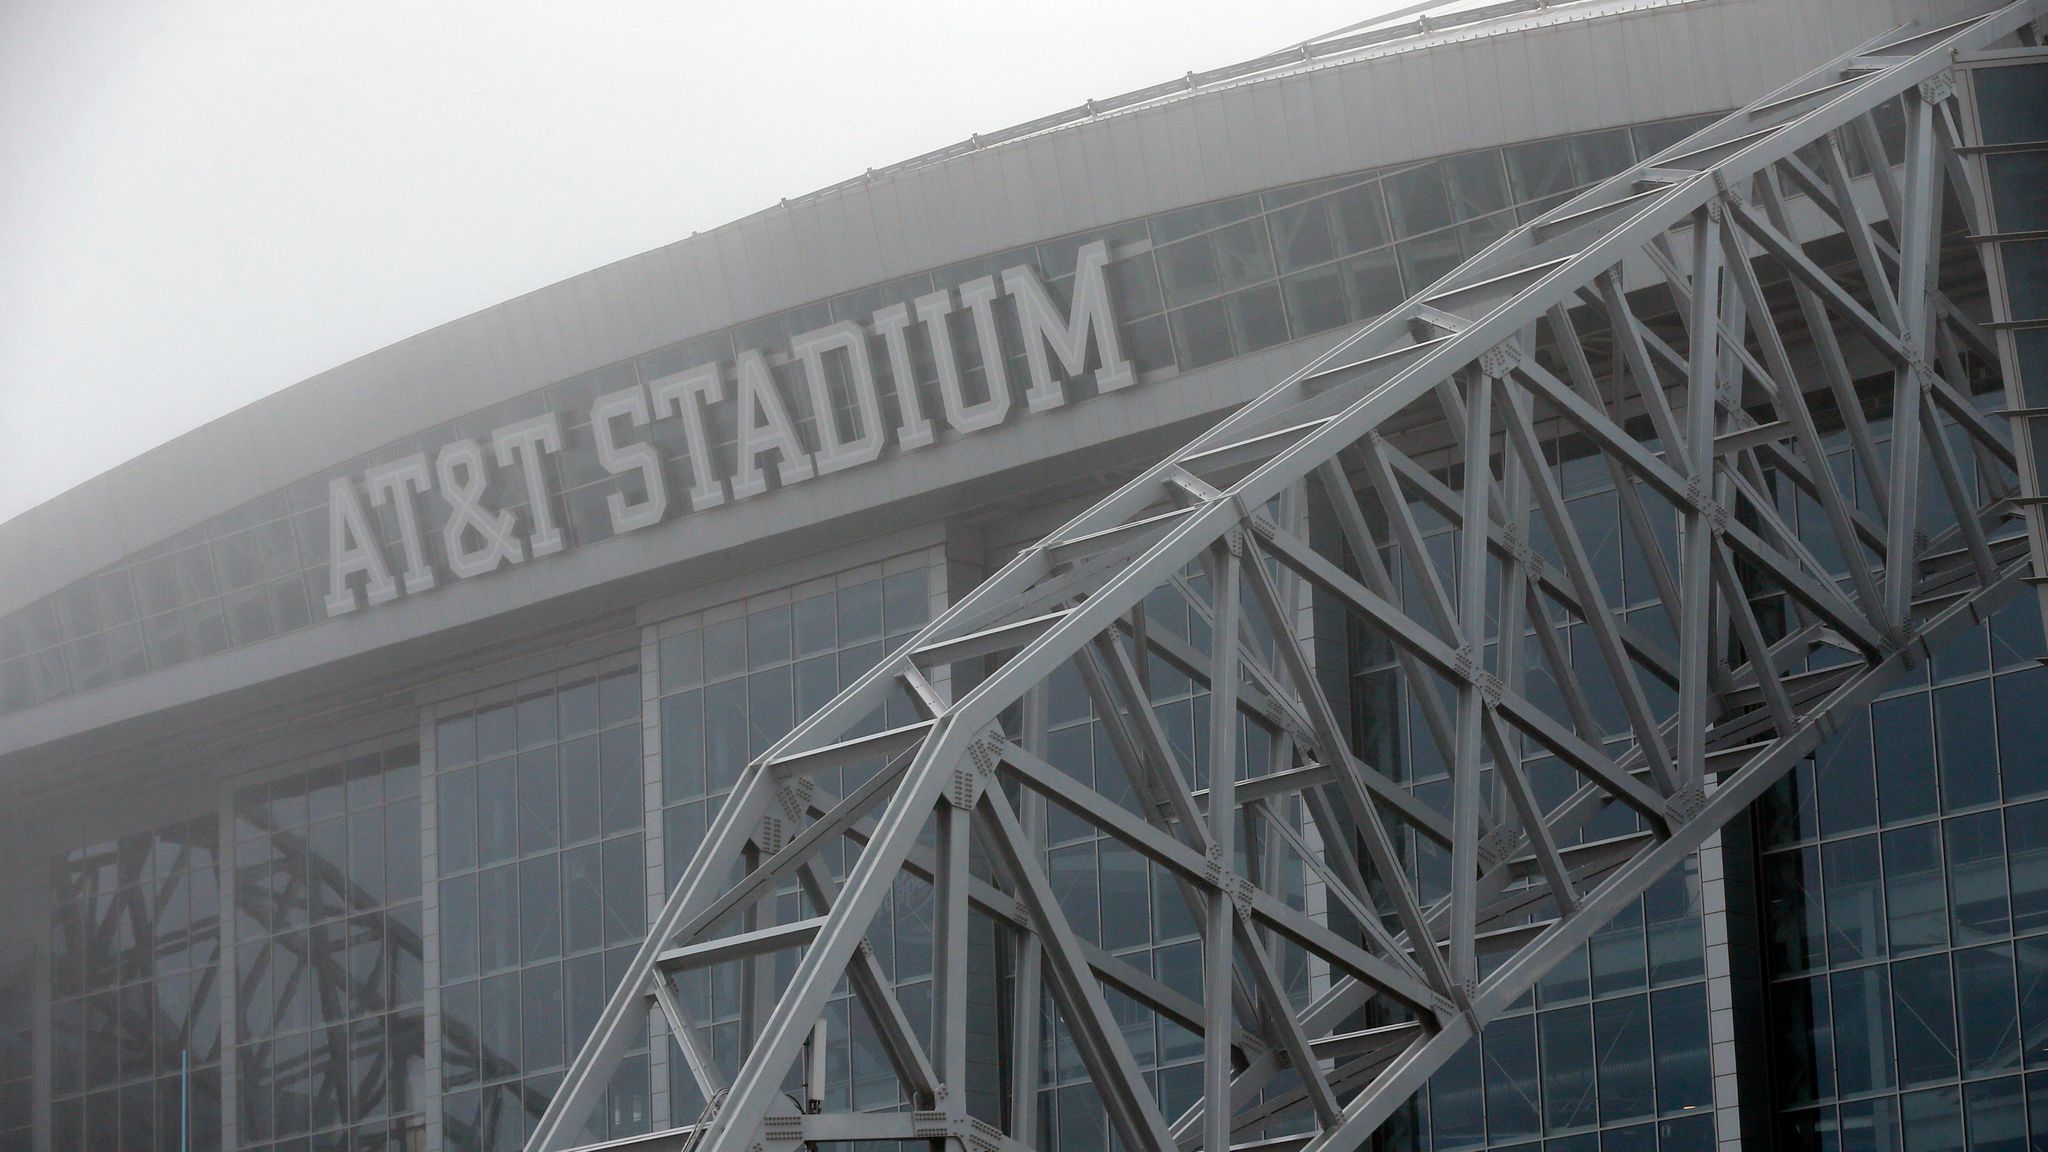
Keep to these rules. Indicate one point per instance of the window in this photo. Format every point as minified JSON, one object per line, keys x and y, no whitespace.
{"x":548,"y":788}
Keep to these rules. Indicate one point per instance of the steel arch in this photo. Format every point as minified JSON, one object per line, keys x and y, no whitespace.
{"x":1695,"y":322}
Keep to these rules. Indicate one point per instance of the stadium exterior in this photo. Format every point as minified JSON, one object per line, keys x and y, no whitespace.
{"x":351,"y":743}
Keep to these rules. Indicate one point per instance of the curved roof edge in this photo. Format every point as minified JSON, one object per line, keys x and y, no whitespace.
{"x":1608,"y":64}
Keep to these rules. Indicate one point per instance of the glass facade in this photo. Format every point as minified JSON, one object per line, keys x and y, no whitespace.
{"x":1190,"y":288}
{"x":330,"y":1024}
{"x":135,"y":996}
{"x":733,"y":681}
{"x":17,"y":1060}
{"x":1610,"y":1050}
{"x":543,"y":897}
{"x":1134,"y":909}
{"x":1905,"y":874}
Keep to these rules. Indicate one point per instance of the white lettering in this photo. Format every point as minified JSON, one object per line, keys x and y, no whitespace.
{"x":629,"y":404}
{"x":891,"y":324}
{"x":396,"y":484}
{"x":1088,"y":313}
{"x":687,"y":394}
{"x":852,"y":428}
{"x":764,"y":426}
{"x":836,"y":452}
{"x":352,"y":547}
{"x":460,"y":466}
{"x":524,"y":442}
{"x":933,"y":310}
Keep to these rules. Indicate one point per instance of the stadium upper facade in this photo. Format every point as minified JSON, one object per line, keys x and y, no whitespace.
{"x":353,"y":742}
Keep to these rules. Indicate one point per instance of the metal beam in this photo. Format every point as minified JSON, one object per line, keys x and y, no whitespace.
{"x":1457,"y":403}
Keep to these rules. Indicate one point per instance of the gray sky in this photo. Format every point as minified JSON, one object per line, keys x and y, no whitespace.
{"x":205,"y":202}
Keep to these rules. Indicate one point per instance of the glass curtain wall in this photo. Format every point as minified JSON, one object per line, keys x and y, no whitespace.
{"x":1610,"y":1049}
{"x":1905,"y":873}
{"x":734,"y":681}
{"x":543,"y":898}
{"x":135,"y":1013}
{"x":17,"y":1058}
{"x":330,"y":1022}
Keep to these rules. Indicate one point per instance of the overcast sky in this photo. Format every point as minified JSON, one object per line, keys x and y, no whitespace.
{"x":204,"y":202}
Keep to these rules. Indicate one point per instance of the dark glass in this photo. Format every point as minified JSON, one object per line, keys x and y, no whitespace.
{"x":1621,"y":1029}
{"x":1995,"y":1116}
{"x":537,"y":720}
{"x":1511,"y":1079}
{"x":682,"y":747}
{"x":2026,"y":842}
{"x":1793,"y":911}
{"x":2031,"y":971}
{"x":860,"y":613}
{"x":1915,"y":895}
{"x":1567,"y":1043}
{"x":618,"y":697}
{"x":815,"y":623}
{"x":2023,"y":730}
{"x":582,"y":898}
{"x":582,"y":790}
{"x":2026,"y":277}
{"x":625,"y":901}
{"x":1243,"y":256}
{"x":497,"y":918}
{"x":769,"y":709}
{"x":621,"y":777}
{"x":1201,"y":334}
{"x":1803,"y":1040}
{"x":498,"y":1027}
{"x":1302,"y":235}
{"x":1598,"y":155}
{"x":401,"y":848}
{"x":1986,"y":1010}
{"x":541,"y":1032}
{"x":725,"y":648}
{"x":1978,"y":907}
{"x":539,"y":801}
{"x":1538,"y":169}
{"x":1855,"y":902}
{"x":576,"y":705}
{"x":1418,"y":200}
{"x":1684,"y":1075}
{"x":1257,"y":319}
{"x":1457,"y":1102}
{"x":1790,"y":812}
{"x":540,"y":915}
{"x":1932,"y":1119}
{"x":2009,"y":105}
{"x":497,"y":808}
{"x":1969,"y":755}
{"x":682,"y":659}
{"x":1923,"y":1014}
{"x":1861,"y":999}
{"x":1905,"y":757}
{"x":1360,"y":215}
{"x":1870,"y":1126}
{"x":2037,"y":1109}
{"x":725,"y":734}
{"x":1188,"y":270}
{"x":1476,"y":182}
{"x":497,"y":732}
{"x":768,"y":637}
{"x":817,"y":681}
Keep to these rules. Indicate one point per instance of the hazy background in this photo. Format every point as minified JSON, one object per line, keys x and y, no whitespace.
{"x":204,"y":202}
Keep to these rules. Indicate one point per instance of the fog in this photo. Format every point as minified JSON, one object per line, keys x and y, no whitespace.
{"x":203,"y":203}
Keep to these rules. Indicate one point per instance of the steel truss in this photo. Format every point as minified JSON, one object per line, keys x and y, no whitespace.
{"x":1698,"y":323}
